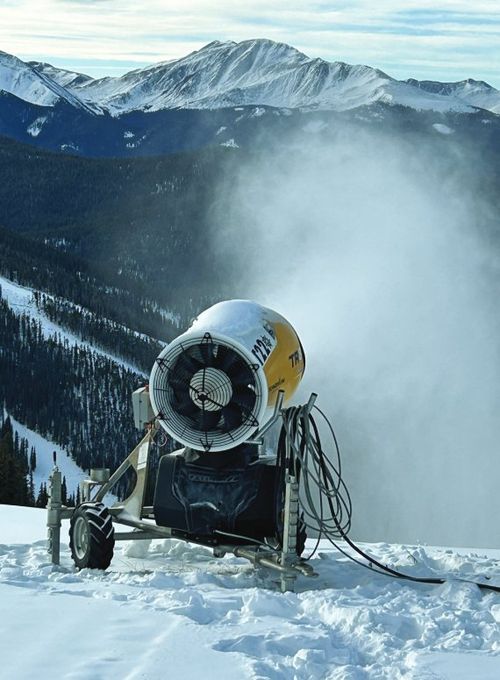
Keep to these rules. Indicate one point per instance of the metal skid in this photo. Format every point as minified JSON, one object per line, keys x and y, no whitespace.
{"x":134,"y":514}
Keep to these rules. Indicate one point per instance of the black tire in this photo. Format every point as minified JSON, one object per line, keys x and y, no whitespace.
{"x":277,"y":541}
{"x":91,"y":536}
{"x":301,"y":536}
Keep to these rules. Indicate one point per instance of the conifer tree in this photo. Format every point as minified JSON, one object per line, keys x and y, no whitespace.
{"x":13,"y":481}
{"x":4,"y":470}
{"x":43,"y":496}
{"x":31,"y":490}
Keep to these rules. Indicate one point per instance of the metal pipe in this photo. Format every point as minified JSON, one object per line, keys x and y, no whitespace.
{"x":254,"y":557}
{"x":311,"y":402}
{"x":160,"y":532}
{"x":136,"y":535}
{"x":54,"y":515}
{"x":276,"y":415}
{"x":104,"y":488}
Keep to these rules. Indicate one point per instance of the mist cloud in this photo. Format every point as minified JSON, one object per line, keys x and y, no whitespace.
{"x":372,"y":247}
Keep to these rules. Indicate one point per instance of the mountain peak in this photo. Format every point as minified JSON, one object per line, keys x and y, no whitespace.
{"x":224,"y":74}
{"x":451,"y":85}
{"x":22,"y":81}
{"x":61,"y":76}
{"x":476,"y":93}
{"x":215,"y":44}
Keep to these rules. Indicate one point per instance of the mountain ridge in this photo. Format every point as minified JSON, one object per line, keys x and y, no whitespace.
{"x":35,"y":87}
{"x":251,"y":72}
{"x":225,"y":94}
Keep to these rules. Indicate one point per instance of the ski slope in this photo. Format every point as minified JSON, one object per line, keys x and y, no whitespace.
{"x":44,"y":460}
{"x":172,"y":610}
{"x":20,"y":299}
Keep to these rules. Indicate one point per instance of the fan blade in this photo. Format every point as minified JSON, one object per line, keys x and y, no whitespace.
{"x":183,"y":404}
{"x":179,"y":381}
{"x":225,"y":358}
{"x":186,"y":365}
{"x":244,"y":397}
{"x":205,"y":420}
{"x":207,"y":353}
{"x":241,"y":374}
{"x":232,"y":417}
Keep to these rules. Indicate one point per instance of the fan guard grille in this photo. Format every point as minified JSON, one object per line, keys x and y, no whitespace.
{"x":211,"y":389}
{"x":207,"y":393}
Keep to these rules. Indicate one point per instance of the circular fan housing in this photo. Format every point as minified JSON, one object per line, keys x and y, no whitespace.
{"x":208,"y":392}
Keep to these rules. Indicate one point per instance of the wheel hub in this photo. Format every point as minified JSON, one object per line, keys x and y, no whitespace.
{"x":81,"y":537}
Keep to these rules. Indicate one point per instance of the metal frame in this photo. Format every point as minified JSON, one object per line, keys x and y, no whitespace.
{"x":133,"y":513}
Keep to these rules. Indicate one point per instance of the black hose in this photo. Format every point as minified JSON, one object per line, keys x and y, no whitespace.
{"x":307,"y":461}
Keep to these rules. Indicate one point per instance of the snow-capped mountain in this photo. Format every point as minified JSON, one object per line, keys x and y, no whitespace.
{"x":60,"y":76}
{"x":36,"y":87}
{"x":228,"y":74}
{"x":226,"y":94}
{"x":473,"y":92}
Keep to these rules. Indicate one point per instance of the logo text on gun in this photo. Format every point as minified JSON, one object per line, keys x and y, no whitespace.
{"x":262,"y":349}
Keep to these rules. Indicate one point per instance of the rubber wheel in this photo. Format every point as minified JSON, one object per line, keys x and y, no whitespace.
{"x":91,"y":536}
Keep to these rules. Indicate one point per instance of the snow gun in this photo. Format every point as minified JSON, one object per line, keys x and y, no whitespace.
{"x":221,"y":390}
{"x":211,"y":388}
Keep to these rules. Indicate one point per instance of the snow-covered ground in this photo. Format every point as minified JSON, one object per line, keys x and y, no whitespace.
{"x":20,"y":299}
{"x":174,"y":610}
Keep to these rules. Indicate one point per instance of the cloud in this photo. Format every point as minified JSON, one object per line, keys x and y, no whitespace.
{"x":451,"y":41}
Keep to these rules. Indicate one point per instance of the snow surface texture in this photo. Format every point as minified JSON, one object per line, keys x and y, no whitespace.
{"x":36,"y":126}
{"x":227,"y":74}
{"x":170,"y":607}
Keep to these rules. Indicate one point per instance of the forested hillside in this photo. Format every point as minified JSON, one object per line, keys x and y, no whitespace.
{"x":75,"y":397}
{"x":28,"y":261}
{"x":69,"y":392}
{"x":121,"y":253}
{"x":142,"y":225}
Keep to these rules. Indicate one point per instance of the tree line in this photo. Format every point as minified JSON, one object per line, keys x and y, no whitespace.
{"x":139,"y":350}
{"x":70,"y":394}
{"x":17,"y":470}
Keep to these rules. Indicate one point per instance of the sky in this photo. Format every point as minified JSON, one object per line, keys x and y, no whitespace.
{"x":449,"y":40}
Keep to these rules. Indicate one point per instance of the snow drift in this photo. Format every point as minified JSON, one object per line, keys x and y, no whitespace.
{"x":175,"y":606}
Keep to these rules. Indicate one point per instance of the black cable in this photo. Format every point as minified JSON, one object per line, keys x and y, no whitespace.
{"x":307,"y":461}
{"x":247,"y":539}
